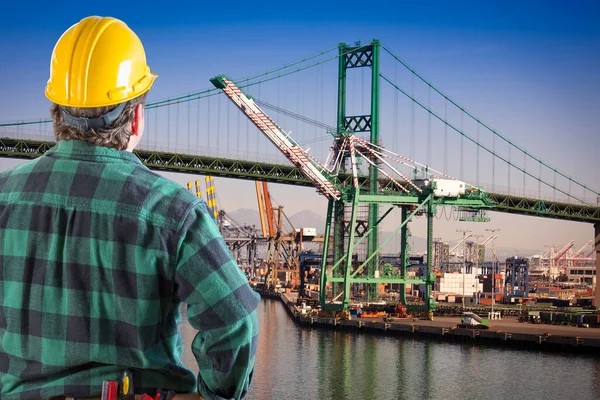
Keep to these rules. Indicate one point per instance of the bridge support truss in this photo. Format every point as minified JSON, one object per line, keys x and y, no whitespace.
{"x":290,"y":175}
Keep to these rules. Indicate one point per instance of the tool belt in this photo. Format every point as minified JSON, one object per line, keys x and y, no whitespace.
{"x":181,"y":396}
{"x":122,"y":389}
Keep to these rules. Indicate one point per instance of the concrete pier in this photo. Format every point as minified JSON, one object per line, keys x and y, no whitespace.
{"x":507,"y":332}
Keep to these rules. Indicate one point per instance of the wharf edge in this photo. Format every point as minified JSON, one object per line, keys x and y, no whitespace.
{"x":526,"y":337}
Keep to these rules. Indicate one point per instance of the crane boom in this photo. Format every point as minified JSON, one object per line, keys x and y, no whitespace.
{"x":265,"y":209}
{"x":489,"y":240}
{"x":590,"y":253}
{"x":580,"y":251}
{"x":564,"y":250}
{"x":261,"y":209}
{"x":451,"y":252}
{"x":269,"y":209}
{"x":277,"y":136}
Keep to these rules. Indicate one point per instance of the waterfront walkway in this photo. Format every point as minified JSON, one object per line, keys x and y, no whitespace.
{"x":511,"y":325}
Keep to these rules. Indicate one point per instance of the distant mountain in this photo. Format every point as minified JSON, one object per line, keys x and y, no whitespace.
{"x":244,"y":216}
{"x":302,"y":219}
{"x":308,"y":219}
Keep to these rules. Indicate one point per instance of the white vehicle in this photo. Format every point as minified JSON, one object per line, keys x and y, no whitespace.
{"x":471,"y":320}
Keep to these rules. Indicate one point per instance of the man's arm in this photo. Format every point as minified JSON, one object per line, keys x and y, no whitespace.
{"x":221,"y":306}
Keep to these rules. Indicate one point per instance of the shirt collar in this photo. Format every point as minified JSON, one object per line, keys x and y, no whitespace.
{"x":78,"y":149}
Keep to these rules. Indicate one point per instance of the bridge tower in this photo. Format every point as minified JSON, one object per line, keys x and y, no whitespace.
{"x":352,"y":220}
{"x":350,"y":58}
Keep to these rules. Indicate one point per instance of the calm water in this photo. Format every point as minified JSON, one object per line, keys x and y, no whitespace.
{"x":295,"y":363}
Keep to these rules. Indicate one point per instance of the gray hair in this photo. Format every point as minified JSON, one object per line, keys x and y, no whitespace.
{"x":116,"y":135}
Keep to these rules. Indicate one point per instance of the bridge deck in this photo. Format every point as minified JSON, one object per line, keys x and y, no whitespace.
{"x":285,"y":174}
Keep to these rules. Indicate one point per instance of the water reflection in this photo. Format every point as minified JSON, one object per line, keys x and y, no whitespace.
{"x":399,"y":369}
{"x":295,"y":363}
{"x":427,"y":373}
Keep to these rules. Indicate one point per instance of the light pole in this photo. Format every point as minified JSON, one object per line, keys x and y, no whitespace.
{"x":477,"y":236}
{"x":465,"y":237}
{"x":494,"y":266}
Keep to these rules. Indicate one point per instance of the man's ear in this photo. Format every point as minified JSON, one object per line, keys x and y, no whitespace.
{"x":137,"y":124}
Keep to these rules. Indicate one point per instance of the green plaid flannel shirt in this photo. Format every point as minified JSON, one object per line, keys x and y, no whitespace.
{"x":96,"y":255}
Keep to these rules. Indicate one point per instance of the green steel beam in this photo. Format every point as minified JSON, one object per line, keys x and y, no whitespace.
{"x":360,"y":57}
{"x":404,"y":252}
{"x":338,"y":212}
{"x":412,"y":200}
{"x":429,"y":275}
{"x":339,"y":300}
{"x":326,"y":237}
{"x":348,"y":280}
{"x":364,"y":236}
{"x":285,"y":174}
{"x":373,"y":170}
{"x":382,"y":280}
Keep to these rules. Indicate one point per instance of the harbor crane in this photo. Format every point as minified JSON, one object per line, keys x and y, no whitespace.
{"x":454,"y":253}
{"x":282,"y":244}
{"x":360,"y":173}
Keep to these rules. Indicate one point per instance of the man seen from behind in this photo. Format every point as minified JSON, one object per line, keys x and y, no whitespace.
{"x":98,"y":252}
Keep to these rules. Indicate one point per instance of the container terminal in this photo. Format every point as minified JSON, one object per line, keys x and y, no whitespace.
{"x":349,"y":278}
{"x":279,"y":257}
{"x":549,"y":330}
{"x":364,"y":187}
{"x":520,"y":310}
{"x":544,"y":301}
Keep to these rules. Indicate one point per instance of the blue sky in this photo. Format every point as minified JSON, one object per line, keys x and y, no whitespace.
{"x":528,"y":69}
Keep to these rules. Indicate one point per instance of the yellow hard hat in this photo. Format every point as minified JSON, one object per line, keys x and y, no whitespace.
{"x":98,"y":62}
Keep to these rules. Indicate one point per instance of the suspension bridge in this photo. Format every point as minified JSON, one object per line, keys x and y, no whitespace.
{"x":366,"y":93}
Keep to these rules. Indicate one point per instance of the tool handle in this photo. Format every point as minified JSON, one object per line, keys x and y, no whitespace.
{"x":109,"y":390}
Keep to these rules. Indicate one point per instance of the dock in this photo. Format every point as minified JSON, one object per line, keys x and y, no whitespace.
{"x":507,"y":332}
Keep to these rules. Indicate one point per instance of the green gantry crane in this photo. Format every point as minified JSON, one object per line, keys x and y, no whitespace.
{"x":375,"y":182}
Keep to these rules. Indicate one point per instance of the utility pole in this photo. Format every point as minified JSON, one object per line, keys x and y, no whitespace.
{"x":465,"y":237}
{"x":477,"y":236}
{"x":494,"y":266}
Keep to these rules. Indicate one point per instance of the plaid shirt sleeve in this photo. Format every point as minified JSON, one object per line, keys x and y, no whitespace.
{"x":221,"y":306}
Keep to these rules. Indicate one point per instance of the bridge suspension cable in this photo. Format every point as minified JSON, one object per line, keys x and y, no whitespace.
{"x":207,"y":92}
{"x":287,"y":70}
{"x":214,"y":91}
{"x":249,"y":80}
{"x":479,"y":144}
{"x":294,"y":115}
{"x":479,"y":122}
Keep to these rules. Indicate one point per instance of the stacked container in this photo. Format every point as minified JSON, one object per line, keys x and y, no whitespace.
{"x":453,"y":283}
